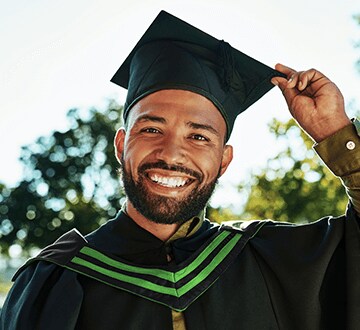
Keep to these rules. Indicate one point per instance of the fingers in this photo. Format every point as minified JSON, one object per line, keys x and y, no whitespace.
{"x":283,"y":82}
{"x":295,"y":79}
{"x":294,"y":83}
{"x":305,"y":78}
{"x":285,"y":69}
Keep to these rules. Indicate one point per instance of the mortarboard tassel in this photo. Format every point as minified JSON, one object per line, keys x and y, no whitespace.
{"x":227,"y":63}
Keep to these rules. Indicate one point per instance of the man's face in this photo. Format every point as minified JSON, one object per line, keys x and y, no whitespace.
{"x":172,"y":154}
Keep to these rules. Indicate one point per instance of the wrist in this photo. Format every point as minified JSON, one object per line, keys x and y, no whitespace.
{"x":325,"y":129}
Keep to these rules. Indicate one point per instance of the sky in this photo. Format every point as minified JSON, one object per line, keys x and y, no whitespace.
{"x":59,"y":55}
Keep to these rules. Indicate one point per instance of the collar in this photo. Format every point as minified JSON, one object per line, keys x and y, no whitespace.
{"x":124,"y":238}
{"x":188,"y":228}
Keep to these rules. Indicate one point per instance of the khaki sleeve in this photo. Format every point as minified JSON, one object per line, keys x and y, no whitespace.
{"x":341,"y":154}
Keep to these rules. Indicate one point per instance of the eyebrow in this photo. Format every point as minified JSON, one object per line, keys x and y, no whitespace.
{"x":203,"y":126}
{"x":145,"y":118}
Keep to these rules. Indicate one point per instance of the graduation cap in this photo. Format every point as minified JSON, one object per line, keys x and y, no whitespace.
{"x":173,"y":54}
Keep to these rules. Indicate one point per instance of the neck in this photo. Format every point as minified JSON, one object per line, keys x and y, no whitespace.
{"x":161,"y":231}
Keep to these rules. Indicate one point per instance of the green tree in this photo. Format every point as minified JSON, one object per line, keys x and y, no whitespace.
{"x":70,"y":180}
{"x":295,"y":186}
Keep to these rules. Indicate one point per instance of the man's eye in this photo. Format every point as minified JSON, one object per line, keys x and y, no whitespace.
{"x":150,"y":130}
{"x":199,"y":137}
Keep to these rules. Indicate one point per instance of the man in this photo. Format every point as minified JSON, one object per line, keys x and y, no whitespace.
{"x":159,"y":264}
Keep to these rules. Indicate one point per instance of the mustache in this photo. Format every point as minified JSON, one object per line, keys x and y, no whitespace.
{"x":176,"y":168}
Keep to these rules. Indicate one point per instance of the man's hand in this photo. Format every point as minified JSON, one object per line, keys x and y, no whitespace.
{"x":314,"y":101}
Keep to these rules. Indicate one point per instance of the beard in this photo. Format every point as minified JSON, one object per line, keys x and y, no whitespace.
{"x":163,"y":209}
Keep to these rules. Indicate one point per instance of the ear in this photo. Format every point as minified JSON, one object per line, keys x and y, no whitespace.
{"x":119,"y":143}
{"x":226,"y":158}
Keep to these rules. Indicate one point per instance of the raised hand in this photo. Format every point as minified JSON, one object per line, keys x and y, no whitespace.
{"x":314,"y":101}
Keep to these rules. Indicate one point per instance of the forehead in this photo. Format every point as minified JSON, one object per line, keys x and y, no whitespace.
{"x":176,"y":105}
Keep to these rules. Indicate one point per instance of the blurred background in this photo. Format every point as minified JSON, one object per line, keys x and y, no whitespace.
{"x":59,"y":112}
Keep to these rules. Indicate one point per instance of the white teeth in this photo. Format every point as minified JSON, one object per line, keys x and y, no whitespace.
{"x":168,"y":181}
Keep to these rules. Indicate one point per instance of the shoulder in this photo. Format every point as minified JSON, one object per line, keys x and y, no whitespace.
{"x":269,"y":229}
{"x":58,"y":253}
{"x":246,"y":228}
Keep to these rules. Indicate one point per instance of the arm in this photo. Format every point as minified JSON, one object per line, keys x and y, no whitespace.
{"x":318,"y":107}
{"x":341,"y":153}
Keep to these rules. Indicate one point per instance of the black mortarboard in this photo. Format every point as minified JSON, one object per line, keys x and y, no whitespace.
{"x":173,"y":54}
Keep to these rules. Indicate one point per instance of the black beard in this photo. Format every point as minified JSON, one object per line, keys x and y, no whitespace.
{"x":161,"y":209}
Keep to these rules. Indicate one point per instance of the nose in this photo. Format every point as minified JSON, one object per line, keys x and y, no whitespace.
{"x":172,"y":150}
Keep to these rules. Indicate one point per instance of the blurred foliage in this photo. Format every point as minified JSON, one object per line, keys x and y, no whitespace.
{"x":357,"y":43}
{"x":70,"y":181}
{"x":4,"y":288}
{"x":295,"y":186}
{"x":220,"y":214}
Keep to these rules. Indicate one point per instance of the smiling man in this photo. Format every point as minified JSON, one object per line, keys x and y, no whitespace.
{"x":171,"y":158}
{"x":159,"y":264}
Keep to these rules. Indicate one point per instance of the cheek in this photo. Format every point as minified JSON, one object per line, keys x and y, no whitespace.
{"x":209,"y":163}
{"x":134,"y":155}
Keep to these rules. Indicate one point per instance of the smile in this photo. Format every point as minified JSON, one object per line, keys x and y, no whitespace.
{"x":171,"y":182}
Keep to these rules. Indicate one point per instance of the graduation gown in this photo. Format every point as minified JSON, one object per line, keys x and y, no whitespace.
{"x":276,"y":276}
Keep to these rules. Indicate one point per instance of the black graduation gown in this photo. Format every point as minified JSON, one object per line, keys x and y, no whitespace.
{"x":285,"y":277}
